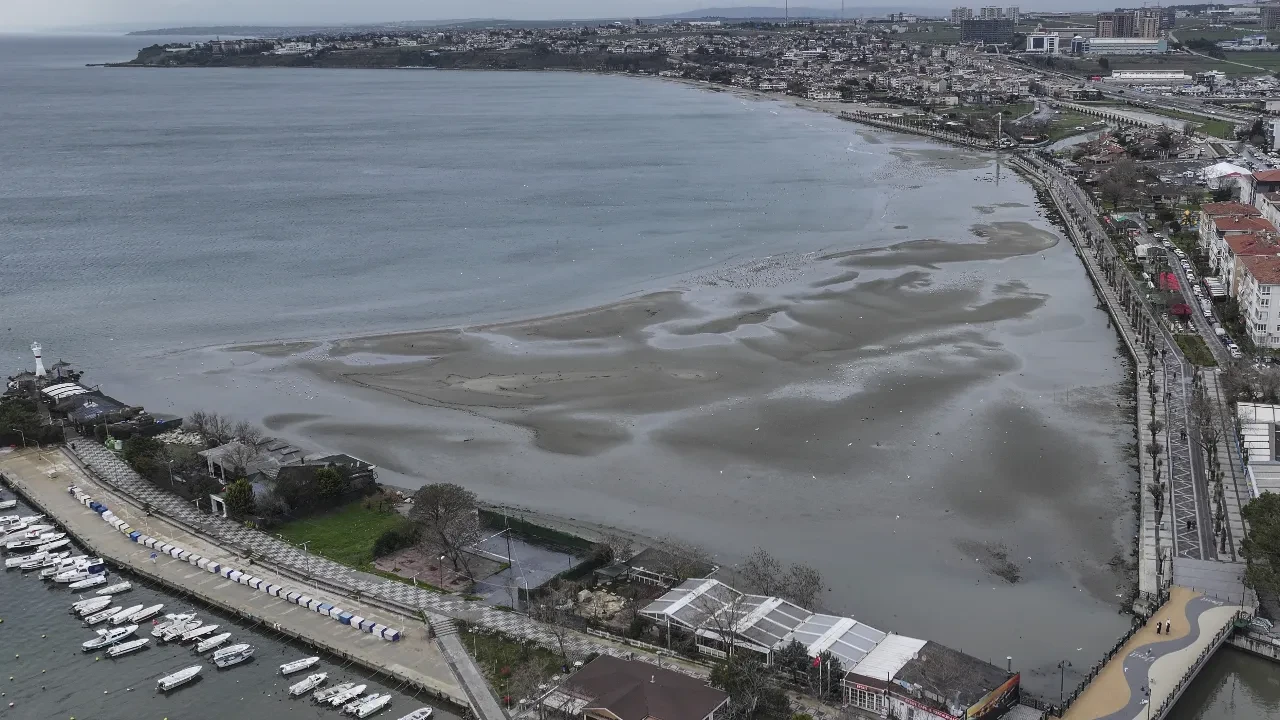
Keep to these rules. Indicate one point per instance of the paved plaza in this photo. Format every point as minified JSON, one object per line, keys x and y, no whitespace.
{"x":1153,"y":668}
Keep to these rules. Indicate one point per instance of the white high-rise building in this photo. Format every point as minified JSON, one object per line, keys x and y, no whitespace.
{"x":1013,"y":13}
{"x":991,"y":13}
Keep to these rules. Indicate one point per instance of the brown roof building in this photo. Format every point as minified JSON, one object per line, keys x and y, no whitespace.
{"x":1231,"y":207}
{"x":609,"y":688}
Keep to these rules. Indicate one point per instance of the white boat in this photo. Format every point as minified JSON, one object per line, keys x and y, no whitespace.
{"x":182,"y":677}
{"x":146,"y":613}
{"x":63,"y":566}
{"x":177,"y":629}
{"x":7,"y":520}
{"x":346,"y":696}
{"x":373,"y":705}
{"x":125,"y":648}
{"x":125,"y":614}
{"x":169,"y":621}
{"x":419,"y":714}
{"x":32,"y":543}
{"x":88,"y":582}
{"x":116,"y":589}
{"x":23,"y":531}
{"x":326,"y":694}
{"x":55,"y":545}
{"x":109,"y":637}
{"x":232,"y":655}
{"x":43,"y":560}
{"x":101,"y":615}
{"x":79,"y":570}
{"x":202,"y":631}
{"x":290,"y":668}
{"x":91,"y":605}
{"x":8,"y":504}
{"x":213,"y":642}
{"x":307,"y":684}
{"x":351,"y":707}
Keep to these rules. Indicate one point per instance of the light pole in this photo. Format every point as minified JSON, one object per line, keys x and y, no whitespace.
{"x":24,"y":436}
{"x":441,"y":572}
{"x":170,"y":463}
{"x":1062,"y":678}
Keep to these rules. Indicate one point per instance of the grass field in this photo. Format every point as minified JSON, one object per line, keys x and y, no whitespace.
{"x":1196,"y":351}
{"x":507,"y":664}
{"x":345,"y":535}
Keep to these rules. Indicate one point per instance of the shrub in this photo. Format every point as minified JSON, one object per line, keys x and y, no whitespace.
{"x":395,"y":539}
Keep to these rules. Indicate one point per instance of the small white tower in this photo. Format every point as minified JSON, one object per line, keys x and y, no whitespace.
{"x":35,"y":350}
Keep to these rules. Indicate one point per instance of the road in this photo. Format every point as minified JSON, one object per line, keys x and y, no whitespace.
{"x":1187,"y":487}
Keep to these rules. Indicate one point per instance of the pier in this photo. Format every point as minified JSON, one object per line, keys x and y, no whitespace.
{"x":42,"y":479}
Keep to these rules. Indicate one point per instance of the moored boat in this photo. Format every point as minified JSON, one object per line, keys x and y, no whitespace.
{"x":373,"y":705}
{"x":232,"y":655}
{"x":177,"y":629}
{"x":328,"y":693}
{"x":202,"y":631}
{"x":120,"y":617}
{"x":101,"y":615}
{"x":116,"y":589}
{"x":84,"y":608}
{"x":146,"y":613}
{"x":85,"y":583}
{"x":170,"y":621}
{"x":351,"y":707}
{"x":125,"y":648}
{"x":109,"y":637}
{"x":307,"y":684}
{"x":290,"y":668}
{"x":31,"y":543}
{"x":64,"y":565}
{"x":43,"y":560}
{"x":346,"y":696}
{"x":179,"y":678}
{"x":55,"y":545}
{"x":8,"y":504}
{"x":419,"y":714}
{"x":24,"y":531}
{"x":80,"y":570}
{"x":209,"y":644}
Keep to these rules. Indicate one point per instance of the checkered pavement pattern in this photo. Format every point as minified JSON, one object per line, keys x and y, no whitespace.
{"x":117,"y":474}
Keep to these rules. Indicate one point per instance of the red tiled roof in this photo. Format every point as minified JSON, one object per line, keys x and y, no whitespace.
{"x":1235,"y":223}
{"x":1229,"y":208}
{"x":1264,"y":268}
{"x":1245,"y":244}
{"x":1267,"y":176}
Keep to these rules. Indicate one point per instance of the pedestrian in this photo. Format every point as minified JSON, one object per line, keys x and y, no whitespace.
{"x":1168,"y":627}
{"x":1157,"y":627}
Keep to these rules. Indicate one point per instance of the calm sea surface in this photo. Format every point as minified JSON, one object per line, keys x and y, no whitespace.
{"x":145,"y":212}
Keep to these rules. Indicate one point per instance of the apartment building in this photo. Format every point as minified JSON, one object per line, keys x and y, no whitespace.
{"x":1260,"y":282}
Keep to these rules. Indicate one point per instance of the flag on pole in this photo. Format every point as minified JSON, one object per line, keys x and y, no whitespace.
{"x":817,"y":661}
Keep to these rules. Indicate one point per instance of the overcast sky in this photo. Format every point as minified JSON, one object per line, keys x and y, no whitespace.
{"x":35,"y":14}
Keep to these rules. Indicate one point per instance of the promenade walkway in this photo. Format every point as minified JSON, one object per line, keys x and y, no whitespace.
{"x":1149,"y":673}
{"x":44,"y":477}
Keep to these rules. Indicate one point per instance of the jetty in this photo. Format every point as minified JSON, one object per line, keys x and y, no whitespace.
{"x":42,"y":478}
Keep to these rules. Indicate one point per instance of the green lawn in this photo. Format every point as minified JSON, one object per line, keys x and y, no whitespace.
{"x":509,"y":665}
{"x":345,"y":535}
{"x":1196,"y":351}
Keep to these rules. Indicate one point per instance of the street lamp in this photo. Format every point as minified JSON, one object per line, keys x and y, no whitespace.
{"x":1062,"y":678}
{"x":441,"y":572}
{"x":170,"y":463}
{"x":24,"y":436}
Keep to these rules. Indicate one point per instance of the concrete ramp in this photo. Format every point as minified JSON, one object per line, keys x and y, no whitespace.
{"x":1156,"y":668}
{"x":1224,"y":581}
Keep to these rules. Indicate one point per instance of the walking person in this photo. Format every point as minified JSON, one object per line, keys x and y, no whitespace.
{"x":1168,"y":627}
{"x":1158,"y":627}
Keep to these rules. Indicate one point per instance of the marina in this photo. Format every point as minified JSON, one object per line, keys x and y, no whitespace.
{"x":139,"y":660}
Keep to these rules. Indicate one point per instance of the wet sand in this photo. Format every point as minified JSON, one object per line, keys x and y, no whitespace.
{"x":935,"y":423}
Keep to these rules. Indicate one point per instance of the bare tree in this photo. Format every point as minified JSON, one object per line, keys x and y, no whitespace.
{"x":210,"y":426}
{"x":762,"y":573}
{"x":803,"y":585}
{"x":524,"y":681}
{"x":447,"y":515}
{"x":249,"y":433}
{"x":683,"y":560}
{"x":240,"y":456}
{"x":551,"y":609}
{"x":619,"y":547}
